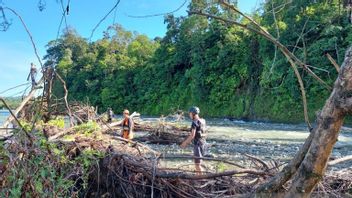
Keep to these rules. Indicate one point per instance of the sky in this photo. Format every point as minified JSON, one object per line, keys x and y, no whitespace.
{"x":16,"y":51}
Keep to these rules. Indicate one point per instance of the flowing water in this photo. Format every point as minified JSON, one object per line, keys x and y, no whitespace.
{"x":3,"y":115}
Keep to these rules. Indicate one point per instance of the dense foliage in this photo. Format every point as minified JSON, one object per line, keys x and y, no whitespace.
{"x":223,"y":69}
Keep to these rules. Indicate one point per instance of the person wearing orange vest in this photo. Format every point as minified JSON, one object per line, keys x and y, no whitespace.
{"x":127,"y":126}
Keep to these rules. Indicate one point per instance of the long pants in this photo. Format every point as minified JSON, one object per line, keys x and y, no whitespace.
{"x":127,"y":135}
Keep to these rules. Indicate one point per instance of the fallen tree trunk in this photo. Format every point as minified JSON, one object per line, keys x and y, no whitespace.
{"x":60,"y":134}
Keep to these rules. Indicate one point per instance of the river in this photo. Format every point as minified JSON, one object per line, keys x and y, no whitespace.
{"x":3,"y":115}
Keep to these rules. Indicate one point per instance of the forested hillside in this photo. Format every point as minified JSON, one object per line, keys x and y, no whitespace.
{"x":223,"y":69}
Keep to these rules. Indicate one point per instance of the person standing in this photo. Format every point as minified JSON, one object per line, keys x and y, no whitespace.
{"x":32,"y":74}
{"x":127,"y":126}
{"x":198,"y":137}
{"x":110,"y":115}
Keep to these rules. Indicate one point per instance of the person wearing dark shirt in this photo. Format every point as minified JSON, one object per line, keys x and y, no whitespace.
{"x":197,"y":136}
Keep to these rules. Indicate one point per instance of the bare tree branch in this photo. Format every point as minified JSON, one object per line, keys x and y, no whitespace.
{"x":65,"y":98}
{"x":182,"y":175}
{"x":263,"y":32}
{"x":159,"y":14}
{"x":112,"y":9}
{"x":18,"y":122}
{"x":333,"y":62}
{"x":28,"y":33}
{"x":282,"y":48}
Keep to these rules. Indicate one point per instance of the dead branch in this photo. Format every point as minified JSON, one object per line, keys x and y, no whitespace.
{"x":284,"y":50}
{"x":65,"y":98}
{"x":14,"y":87}
{"x":333,"y":62}
{"x":159,"y":14}
{"x":329,"y":122}
{"x":28,"y":32}
{"x":265,"y":165}
{"x":96,"y":26}
{"x":23,"y":104}
{"x":340,"y":160}
{"x":203,"y":158}
{"x":182,"y":175}
{"x":18,"y":122}
{"x":60,"y":134}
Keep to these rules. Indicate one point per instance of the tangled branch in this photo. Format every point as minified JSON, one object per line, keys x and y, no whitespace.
{"x":159,"y":14}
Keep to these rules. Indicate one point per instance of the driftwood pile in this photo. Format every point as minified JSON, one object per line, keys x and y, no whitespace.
{"x":131,"y":169}
{"x":82,"y":113}
{"x":335,"y":184}
{"x":136,"y":176}
{"x":163,"y":133}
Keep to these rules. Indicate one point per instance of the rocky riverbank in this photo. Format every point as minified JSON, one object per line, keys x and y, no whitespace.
{"x":231,"y":140}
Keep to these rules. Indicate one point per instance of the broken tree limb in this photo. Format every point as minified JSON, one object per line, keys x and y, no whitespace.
{"x":265,"y":165}
{"x":60,"y":134}
{"x":340,"y":160}
{"x":28,"y":33}
{"x":134,"y":144}
{"x":18,"y":122}
{"x":182,"y":175}
{"x":333,"y":62}
{"x":203,"y":158}
{"x":20,"y":107}
{"x":5,"y":137}
{"x":65,"y":98}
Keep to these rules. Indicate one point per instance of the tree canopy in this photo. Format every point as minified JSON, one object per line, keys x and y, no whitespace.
{"x":225,"y":70}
